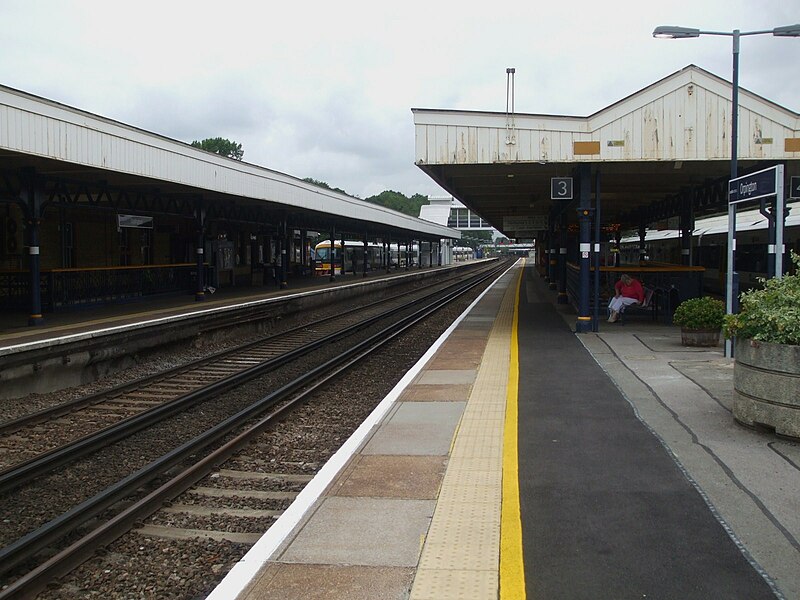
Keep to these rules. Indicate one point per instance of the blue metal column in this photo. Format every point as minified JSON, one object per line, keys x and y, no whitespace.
{"x":598,"y":230}
{"x":332,"y":255}
{"x":642,"y":242}
{"x":389,"y":253}
{"x":344,"y":254}
{"x":303,"y":251}
{"x":33,"y":217}
{"x":200,"y":216}
{"x":552,"y":261}
{"x":366,"y":256}
{"x":686,"y":226}
{"x":284,"y":254}
{"x":585,"y":211}
{"x":563,"y":298}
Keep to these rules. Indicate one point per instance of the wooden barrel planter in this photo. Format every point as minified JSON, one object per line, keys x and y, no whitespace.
{"x":699,"y":337}
{"x":766,"y":382}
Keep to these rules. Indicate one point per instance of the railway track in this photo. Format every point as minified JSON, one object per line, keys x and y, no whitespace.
{"x":227,"y":433}
{"x":36,"y":443}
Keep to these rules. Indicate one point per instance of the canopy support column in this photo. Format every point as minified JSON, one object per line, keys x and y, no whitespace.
{"x":585,"y":211}
{"x":200,"y":220}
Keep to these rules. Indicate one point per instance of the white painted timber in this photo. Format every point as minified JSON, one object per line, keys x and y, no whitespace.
{"x":683,"y":117}
{"x":40,"y":127}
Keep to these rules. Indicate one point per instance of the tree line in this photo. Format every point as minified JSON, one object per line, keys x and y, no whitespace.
{"x":388,"y":198}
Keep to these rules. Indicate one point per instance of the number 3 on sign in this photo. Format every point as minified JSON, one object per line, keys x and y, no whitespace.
{"x":561,"y":188}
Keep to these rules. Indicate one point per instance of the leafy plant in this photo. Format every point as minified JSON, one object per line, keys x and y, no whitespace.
{"x":700,"y":313}
{"x":771,"y":313}
{"x":221,"y":146}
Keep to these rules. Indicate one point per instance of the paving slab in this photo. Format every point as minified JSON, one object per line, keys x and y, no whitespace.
{"x":446,"y":377}
{"x":377,"y":532}
{"x":418,"y":428}
{"x":436,"y":393}
{"x":377,"y":476}
{"x":324,"y":582}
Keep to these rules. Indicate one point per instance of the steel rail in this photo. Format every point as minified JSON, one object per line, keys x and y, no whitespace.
{"x":28,"y":545}
{"x":81,"y":550}
{"x":46,"y":414}
{"x":41,"y":464}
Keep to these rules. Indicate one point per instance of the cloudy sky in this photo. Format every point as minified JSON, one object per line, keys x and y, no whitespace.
{"x":324,"y":89}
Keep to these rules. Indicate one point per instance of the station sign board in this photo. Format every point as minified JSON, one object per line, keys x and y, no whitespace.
{"x":525,"y":223}
{"x":760,"y":184}
{"x":794,"y":187}
{"x":561,"y":188}
{"x":135,"y":221}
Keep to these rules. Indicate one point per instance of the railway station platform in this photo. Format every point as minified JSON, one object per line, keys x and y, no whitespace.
{"x":15,"y":330}
{"x":518,"y":459}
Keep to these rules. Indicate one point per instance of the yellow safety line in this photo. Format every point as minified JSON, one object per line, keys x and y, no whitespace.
{"x":512,"y":574}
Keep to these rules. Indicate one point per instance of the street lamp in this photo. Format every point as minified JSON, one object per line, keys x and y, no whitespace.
{"x":674,"y":32}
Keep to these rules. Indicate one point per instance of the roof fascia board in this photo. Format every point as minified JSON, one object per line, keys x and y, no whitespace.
{"x":463,"y":118}
{"x":211,"y":172}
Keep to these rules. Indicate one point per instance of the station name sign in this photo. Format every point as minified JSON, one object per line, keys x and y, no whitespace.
{"x":760,"y":184}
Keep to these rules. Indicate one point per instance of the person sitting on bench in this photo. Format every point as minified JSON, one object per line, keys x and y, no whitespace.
{"x":627,"y":291}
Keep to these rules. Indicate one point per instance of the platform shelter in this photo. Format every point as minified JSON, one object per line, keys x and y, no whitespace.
{"x":95,"y":210}
{"x":576,"y":183}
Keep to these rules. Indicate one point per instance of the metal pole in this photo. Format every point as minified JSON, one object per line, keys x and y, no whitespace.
{"x":732,"y":286}
{"x":780,"y":218}
{"x":585,"y":247}
{"x":200,"y":287}
{"x":332,"y":255}
{"x":597,"y":233}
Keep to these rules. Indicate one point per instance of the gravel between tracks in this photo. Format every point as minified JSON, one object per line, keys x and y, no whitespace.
{"x":137,"y":566}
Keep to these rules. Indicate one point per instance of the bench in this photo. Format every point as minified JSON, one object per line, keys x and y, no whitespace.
{"x":649,"y":306}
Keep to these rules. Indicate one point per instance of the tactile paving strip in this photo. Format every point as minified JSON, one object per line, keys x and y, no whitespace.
{"x":460,"y":558}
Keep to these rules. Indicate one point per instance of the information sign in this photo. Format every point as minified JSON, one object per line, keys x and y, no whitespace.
{"x":136,"y":221}
{"x":754,"y":186}
{"x":794,"y":187}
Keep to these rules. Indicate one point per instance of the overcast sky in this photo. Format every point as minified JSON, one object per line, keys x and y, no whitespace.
{"x":324,"y":89}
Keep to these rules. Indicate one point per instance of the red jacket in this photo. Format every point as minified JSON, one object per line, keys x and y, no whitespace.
{"x":634,"y":290}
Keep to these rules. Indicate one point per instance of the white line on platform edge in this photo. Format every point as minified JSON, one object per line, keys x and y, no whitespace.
{"x":243,"y":572}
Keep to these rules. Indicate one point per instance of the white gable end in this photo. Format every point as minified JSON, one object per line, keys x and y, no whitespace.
{"x":683,"y":117}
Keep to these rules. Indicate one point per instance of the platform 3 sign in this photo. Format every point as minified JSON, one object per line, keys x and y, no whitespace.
{"x":561,"y":188}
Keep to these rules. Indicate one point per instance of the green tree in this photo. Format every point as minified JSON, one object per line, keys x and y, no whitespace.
{"x":221,"y":146}
{"x":399,"y":202}
{"x":322,"y":184}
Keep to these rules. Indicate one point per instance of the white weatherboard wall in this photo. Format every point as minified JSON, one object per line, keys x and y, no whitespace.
{"x":685,"y":116}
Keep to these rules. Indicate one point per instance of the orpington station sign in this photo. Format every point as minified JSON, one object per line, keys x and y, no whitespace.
{"x":760,"y":184}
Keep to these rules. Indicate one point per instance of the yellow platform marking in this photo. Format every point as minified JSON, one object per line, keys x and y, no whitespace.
{"x":461,"y":555}
{"x":512,"y":573}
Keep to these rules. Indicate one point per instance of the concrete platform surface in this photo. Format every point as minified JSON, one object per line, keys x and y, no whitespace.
{"x":718,"y":504}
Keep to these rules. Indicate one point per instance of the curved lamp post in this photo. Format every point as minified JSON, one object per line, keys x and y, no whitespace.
{"x":674,"y":32}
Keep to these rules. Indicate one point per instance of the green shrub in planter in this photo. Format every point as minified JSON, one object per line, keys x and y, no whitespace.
{"x":700,"y":313}
{"x":769,"y":314}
